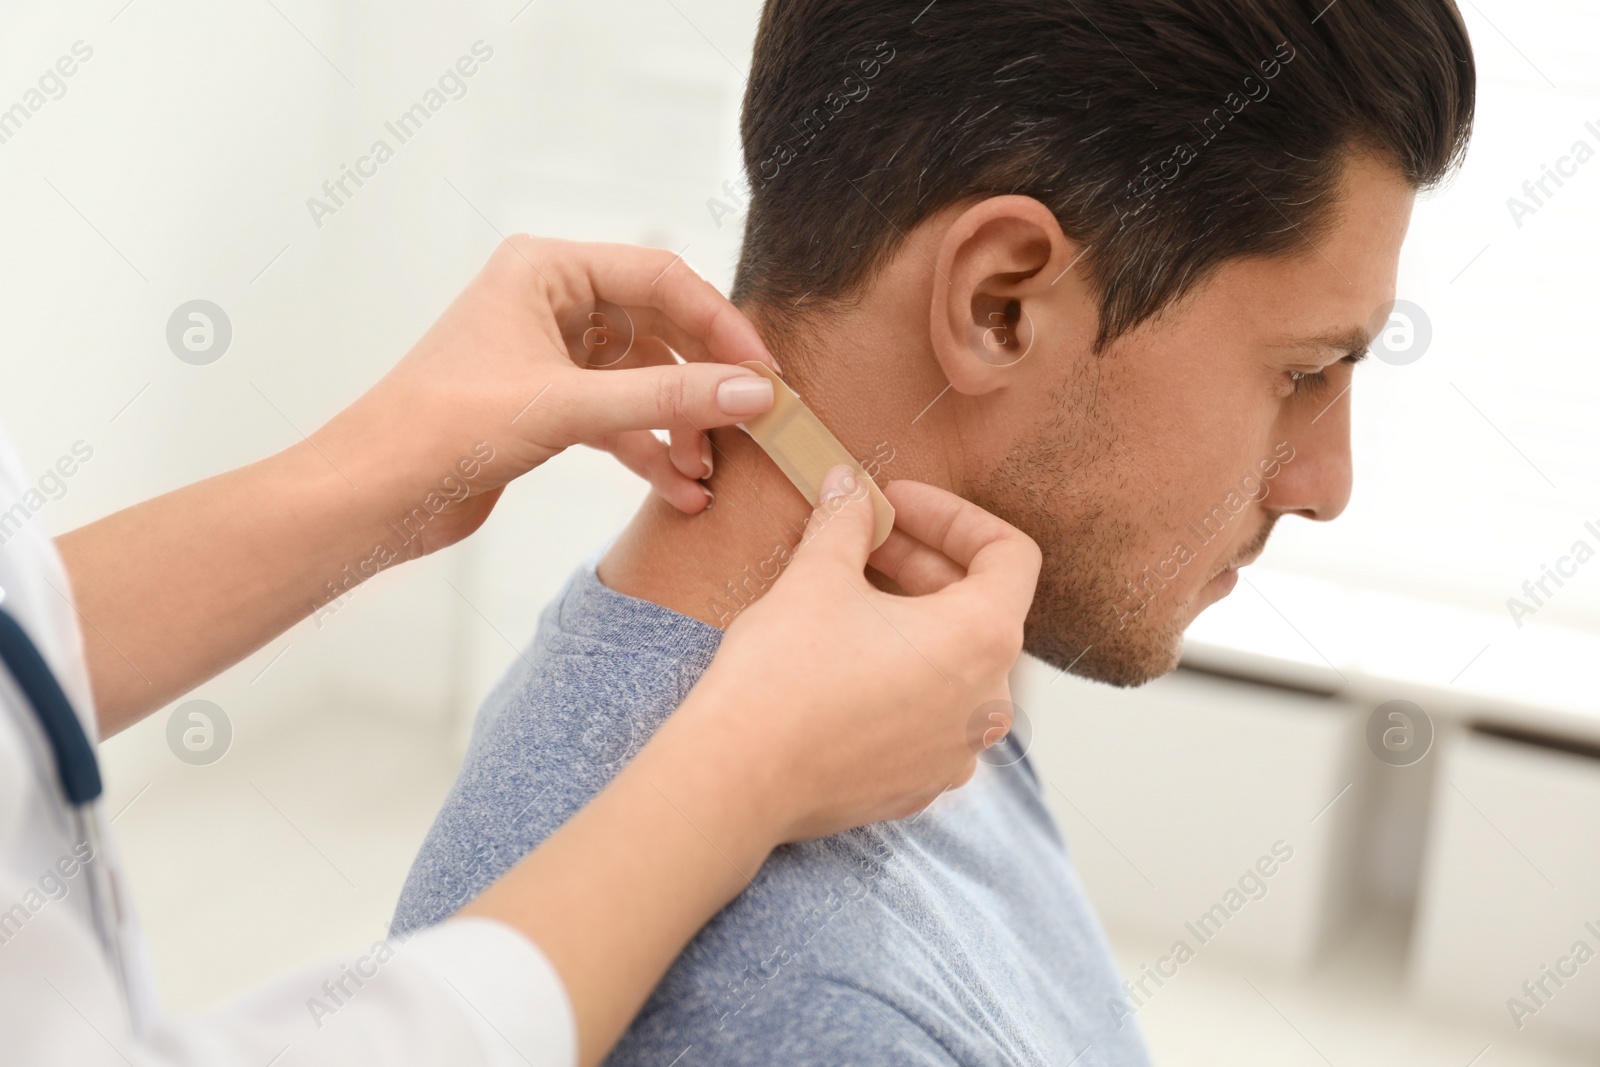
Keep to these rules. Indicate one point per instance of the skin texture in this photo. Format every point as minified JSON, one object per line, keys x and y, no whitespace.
{"x":1109,"y":460}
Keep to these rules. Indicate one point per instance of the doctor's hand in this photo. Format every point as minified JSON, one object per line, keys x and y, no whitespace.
{"x":554,"y":343}
{"x":851,"y":705}
{"x":829,"y":704}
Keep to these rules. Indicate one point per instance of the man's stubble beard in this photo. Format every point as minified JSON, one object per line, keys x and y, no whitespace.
{"x":1054,"y":487}
{"x":1077,"y":621}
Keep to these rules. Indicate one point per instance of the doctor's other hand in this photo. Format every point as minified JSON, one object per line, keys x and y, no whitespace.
{"x":844,"y":704}
{"x":554,"y":343}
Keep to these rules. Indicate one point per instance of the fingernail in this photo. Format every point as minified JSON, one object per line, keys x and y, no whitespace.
{"x":839,"y":481}
{"x":705,"y":454}
{"x":745,"y":395}
{"x":711,"y":498}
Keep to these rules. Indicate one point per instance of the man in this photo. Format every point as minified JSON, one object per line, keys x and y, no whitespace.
{"x":1102,"y":267}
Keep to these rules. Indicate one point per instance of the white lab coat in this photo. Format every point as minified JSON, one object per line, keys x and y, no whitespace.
{"x":467,"y":992}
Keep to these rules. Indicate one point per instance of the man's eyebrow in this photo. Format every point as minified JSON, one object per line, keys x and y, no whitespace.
{"x":1352,"y":341}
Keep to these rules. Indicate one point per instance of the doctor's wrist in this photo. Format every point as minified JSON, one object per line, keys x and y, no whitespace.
{"x":421,"y":488}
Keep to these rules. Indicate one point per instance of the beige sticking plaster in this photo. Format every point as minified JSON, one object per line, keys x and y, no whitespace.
{"x":805,"y":450}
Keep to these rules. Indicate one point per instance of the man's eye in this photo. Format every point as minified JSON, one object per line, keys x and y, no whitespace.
{"x":1307,"y":381}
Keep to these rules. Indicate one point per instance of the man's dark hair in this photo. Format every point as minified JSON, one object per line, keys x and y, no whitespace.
{"x":1167,"y":136}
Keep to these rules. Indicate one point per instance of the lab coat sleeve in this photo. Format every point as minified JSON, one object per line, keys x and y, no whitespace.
{"x":468,"y":992}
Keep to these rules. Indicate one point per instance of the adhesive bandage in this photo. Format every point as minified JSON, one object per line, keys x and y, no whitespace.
{"x":805,"y":450}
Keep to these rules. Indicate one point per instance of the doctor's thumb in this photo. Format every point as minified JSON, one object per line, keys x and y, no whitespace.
{"x":840,"y":529}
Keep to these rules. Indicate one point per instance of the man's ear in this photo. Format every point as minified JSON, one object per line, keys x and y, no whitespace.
{"x":996,"y":291}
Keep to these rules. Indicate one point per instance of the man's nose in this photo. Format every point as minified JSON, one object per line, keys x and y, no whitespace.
{"x":1315,"y":483}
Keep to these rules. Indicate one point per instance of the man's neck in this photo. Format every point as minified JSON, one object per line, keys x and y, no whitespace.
{"x":712,"y":565}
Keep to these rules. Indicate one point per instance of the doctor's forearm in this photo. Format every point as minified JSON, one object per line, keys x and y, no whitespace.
{"x":175,"y":589}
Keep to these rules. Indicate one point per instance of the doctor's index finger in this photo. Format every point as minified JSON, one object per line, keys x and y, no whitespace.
{"x":1001,"y":562}
{"x":657,"y":279}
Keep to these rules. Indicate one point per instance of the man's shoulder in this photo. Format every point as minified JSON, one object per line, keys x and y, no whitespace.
{"x":600,"y":675}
